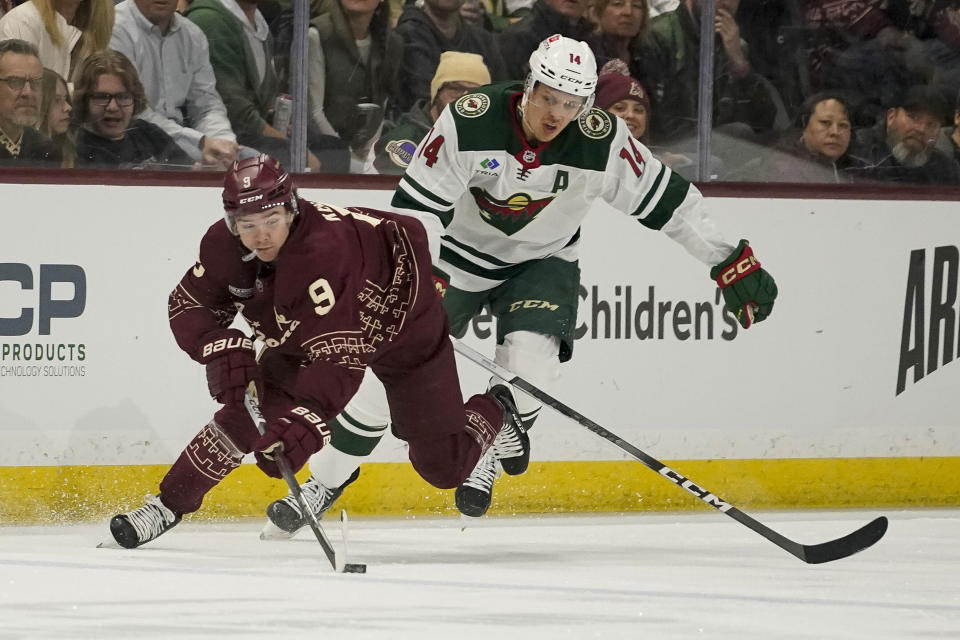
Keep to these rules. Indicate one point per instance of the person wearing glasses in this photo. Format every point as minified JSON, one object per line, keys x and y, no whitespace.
{"x":107,"y":99}
{"x":21,"y":89}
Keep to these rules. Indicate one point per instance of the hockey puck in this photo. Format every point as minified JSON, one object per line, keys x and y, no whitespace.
{"x":354,"y":568}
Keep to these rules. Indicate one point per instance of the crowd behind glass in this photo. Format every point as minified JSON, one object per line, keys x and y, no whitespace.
{"x":803,"y":90}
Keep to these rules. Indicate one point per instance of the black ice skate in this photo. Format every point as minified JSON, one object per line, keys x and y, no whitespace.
{"x":143,"y":524}
{"x":473,"y":496}
{"x":285,"y":513}
{"x":512,"y":445}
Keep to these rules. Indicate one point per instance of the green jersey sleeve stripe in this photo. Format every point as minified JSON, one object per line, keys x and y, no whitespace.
{"x":402,"y":200}
{"x":437,"y":200}
{"x":651,"y":192}
{"x":673,"y":195}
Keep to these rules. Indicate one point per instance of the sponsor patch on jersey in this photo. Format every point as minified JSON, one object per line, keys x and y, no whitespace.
{"x":240,"y":292}
{"x":489,"y":166}
{"x":595,"y":124}
{"x":472,"y":105}
{"x":401,"y":152}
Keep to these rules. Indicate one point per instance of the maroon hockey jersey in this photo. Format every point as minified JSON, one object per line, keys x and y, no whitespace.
{"x":346,"y":286}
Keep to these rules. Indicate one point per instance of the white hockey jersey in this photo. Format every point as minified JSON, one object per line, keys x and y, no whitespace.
{"x":499,"y":203}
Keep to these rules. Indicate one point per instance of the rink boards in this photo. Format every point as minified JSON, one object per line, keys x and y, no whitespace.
{"x":843,"y":398}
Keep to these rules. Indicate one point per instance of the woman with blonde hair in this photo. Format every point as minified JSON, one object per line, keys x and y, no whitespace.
{"x":55,"y":108}
{"x":65,"y":31}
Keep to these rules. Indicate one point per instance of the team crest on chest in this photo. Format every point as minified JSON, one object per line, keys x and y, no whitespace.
{"x":472,"y":105}
{"x":511,"y":214}
{"x":595,"y":124}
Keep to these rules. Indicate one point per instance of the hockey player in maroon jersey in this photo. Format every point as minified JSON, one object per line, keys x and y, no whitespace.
{"x":329,"y":291}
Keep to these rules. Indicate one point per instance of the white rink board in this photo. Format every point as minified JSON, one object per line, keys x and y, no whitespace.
{"x":817,"y":380}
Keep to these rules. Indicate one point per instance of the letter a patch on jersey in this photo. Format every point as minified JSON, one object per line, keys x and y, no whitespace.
{"x":510,"y":215}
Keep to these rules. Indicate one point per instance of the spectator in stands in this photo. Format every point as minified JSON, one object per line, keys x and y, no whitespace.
{"x":547,"y":17}
{"x":619,"y":25}
{"x":21,"y":84}
{"x":670,"y":67}
{"x":624,"y":96}
{"x":949,"y":139}
{"x":64,"y":31}
{"x":818,"y":152}
{"x":429,"y":30}
{"x":457,"y":74}
{"x":497,"y":14}
{"x":108,"y":97}
{"x":172,"y":60}
{"x":901,"y":148}
{"x":353,"y":62}
{"x":54,"y":123}
{"x":242,"y":57}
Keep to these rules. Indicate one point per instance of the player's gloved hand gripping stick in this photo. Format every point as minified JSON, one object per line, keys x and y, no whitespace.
{"x":277,"y":456}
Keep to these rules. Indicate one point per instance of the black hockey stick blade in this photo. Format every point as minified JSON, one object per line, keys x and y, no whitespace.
{"x":864,"y":537}
{"x":848,"y":545}
{"x":336,"y":561}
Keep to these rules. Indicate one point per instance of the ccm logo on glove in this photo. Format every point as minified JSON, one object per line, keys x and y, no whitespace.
{"x":747,"y":263}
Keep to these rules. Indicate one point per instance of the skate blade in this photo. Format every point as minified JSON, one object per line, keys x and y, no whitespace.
{"x":272,"y":532}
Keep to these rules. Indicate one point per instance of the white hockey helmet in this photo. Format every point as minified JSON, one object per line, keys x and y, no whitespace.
{"x":566,"y":65}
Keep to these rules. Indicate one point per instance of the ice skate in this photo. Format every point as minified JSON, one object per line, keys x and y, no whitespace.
{"x":143,"y":524}
{"x":512,"y":445}
{"x":285,"y":514}
{"x":473,"y":496}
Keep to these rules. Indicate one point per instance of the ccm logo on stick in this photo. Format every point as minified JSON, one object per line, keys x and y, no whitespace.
{"x":703,"y":494}
{"x":48,"y":307}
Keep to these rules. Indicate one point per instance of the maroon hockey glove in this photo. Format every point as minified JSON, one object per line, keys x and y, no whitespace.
{"x":231,"y":364}
{"x":748,"y":290}
{"x":298,"y":434}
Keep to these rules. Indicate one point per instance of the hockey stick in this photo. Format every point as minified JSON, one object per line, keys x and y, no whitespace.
{"x":842,"y":547}
{"x":338,"y":564}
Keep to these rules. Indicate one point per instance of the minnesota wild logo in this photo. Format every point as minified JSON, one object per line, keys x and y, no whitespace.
{"x":595,"y":124}
{"x":510,"y":215}
{"x":472,"y":105}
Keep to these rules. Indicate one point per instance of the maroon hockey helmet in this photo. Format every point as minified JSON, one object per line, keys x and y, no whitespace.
{"x":257,"y":184}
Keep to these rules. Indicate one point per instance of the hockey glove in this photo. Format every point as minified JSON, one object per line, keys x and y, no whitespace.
{"x":748,"y":290}
{"x":440,"y":280}
{"x":298,"y":434}
{"x":231,"y":363}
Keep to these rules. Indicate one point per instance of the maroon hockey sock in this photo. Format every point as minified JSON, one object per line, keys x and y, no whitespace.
{"x":205,"y":461}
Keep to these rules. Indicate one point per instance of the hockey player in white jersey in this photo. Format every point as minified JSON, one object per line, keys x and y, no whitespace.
{"x":502,"y":183}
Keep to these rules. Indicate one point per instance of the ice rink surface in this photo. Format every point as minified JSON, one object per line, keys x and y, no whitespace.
{"x":634,"y":576}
